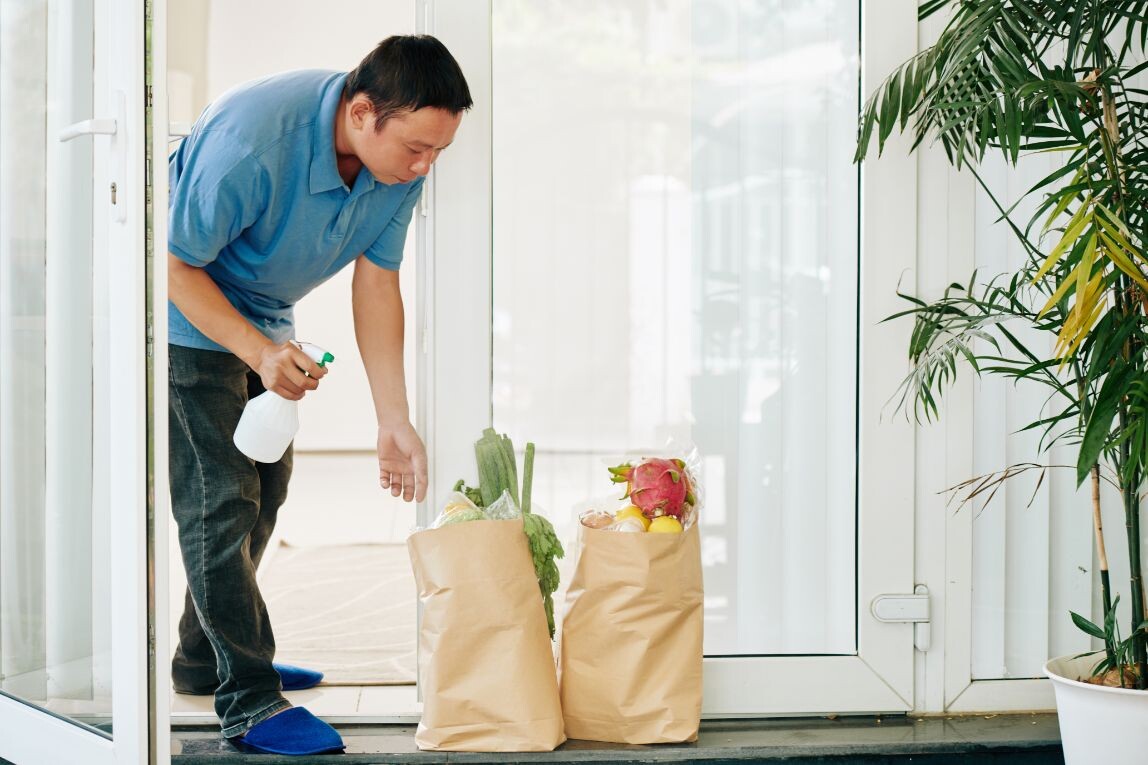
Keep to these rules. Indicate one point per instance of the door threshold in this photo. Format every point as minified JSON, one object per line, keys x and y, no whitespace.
{"x":1024,"y":739}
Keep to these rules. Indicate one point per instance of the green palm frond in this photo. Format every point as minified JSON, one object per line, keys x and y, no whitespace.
{"x":1015,"y":77}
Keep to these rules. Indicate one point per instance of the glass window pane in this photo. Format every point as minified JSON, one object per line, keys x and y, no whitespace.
{"x":55,"y":641}
{"x":676,"y":254}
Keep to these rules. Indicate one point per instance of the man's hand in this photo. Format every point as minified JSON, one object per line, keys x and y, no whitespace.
{"x":402,"y":461}
{"x":287,"y":371}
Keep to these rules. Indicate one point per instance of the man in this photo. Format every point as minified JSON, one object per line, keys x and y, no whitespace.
{"x":282,"y":182}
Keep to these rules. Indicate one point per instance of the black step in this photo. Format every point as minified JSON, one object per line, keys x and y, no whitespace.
{"x":1025,"y":739}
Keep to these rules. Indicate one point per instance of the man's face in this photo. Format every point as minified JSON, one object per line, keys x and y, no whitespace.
{"x":408,"y":144}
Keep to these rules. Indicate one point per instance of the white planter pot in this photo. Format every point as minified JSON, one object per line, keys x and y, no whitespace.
{"x":1097,"y":724}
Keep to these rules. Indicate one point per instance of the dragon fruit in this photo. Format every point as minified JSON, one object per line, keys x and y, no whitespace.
{"x":656,"y":486}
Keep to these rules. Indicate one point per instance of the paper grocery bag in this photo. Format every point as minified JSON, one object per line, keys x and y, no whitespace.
{"x":631,"y":644}
{"x":486,"y":666}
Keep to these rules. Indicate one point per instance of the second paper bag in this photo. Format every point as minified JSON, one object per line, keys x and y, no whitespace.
{"x":486,"y":666}
{"x":631,"y":645}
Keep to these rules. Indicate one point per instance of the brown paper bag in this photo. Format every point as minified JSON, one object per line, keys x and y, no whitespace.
{"x":631,"y":645}
{"x":486,"y":666}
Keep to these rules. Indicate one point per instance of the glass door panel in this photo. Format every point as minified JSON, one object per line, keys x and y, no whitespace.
{"x":74,"y":634}
{"x":54,"y":567}
{"x":676,"y":254}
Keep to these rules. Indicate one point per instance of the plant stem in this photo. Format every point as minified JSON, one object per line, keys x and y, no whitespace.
{"x":527,"y":476}
{"x":1130,"y":475}
{"x":1132,"y":522}
{"x":1101,"y":554}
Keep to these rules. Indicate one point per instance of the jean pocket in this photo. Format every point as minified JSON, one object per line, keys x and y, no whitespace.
{"x":192,"y":367}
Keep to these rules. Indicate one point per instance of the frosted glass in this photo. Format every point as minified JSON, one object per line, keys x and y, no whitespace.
{"x":676,"y":255}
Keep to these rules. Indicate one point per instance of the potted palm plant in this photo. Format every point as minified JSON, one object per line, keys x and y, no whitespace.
{"x":1020,"y":76}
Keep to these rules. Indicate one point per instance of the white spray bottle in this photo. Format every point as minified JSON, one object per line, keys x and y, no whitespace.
{"x":269,"y":421}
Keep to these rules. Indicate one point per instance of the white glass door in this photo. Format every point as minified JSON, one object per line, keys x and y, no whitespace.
{"x":74,"y":630}
{"x":679,"y":245}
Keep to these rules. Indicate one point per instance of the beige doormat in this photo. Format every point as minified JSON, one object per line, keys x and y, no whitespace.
{"x":345,"y":610}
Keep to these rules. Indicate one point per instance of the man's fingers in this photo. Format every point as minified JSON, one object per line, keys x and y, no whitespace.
{"x":299,"y":378}
{"x":419,"y":461}
{"x":391,"y":479}
{"x":288,"y":389}
{"x":292,"y":383}
{"x":411,"y":486}
{"x":306,"y":365}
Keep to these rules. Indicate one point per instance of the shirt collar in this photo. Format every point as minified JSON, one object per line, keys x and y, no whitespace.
{"x":324,"y":169}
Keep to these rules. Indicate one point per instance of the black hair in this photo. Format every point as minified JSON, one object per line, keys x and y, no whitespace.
{"x":409,"y":72}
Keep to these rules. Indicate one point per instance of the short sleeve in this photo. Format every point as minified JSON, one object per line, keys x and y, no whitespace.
{"x":217,"y":191}
{"x":387,"y":250}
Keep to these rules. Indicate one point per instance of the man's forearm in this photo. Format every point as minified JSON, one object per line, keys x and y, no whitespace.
{"x":378,"y":311}
{"x":199,"y":298}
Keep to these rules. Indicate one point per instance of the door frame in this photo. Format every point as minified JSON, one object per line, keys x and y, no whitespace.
{"x":454,"y":333}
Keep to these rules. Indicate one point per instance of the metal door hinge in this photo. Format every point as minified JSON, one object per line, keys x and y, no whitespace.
{"x":912,"y":609}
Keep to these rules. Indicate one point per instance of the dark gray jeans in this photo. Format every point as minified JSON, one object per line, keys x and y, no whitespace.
{"x":225,"y":506}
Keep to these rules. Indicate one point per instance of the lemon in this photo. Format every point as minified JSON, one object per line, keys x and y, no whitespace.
{"x":630,"y":511}
{"x":665,"y":524}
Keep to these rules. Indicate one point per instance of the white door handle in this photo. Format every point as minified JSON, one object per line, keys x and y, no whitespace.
{"x":88,"y":127}
{"x":117,"y":164}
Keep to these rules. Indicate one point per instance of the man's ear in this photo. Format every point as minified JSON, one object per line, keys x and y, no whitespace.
{"x":360,"y":111}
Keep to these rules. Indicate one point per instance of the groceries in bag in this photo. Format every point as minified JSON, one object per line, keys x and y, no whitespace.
{"x":630,"y":667}
{"x":483,"y":572}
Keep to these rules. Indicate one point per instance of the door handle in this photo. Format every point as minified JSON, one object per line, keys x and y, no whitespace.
{"x":118,"y":158}
{"x":88,"y":127}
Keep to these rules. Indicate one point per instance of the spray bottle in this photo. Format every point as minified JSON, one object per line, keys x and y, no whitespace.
{"x":269,"y":421}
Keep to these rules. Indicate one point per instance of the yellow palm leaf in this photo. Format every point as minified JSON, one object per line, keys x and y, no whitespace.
{"x":1115,"y":253}
{"x":1071,"y":234}
{"x":1090,"y":304}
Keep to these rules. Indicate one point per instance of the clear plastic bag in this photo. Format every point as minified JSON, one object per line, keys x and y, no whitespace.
{"x":504,"y":508}
{"x":646,"y":499}
{"x":458,"y":509}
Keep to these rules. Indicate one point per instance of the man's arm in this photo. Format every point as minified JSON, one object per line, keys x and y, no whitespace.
{"x":198,"y":297}
{"x":378,"y":309}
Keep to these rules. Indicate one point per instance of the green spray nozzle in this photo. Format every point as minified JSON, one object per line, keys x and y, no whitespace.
{"x":317,"y":354}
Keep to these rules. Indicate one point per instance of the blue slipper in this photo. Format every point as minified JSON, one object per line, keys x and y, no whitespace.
{"x":297,"y":678}
{"x":294,"y":732}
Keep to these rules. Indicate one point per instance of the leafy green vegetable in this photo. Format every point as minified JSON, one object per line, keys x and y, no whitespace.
{"x":498,"y":472}
{"x":544,"y":548}
{"x":474,"y":495}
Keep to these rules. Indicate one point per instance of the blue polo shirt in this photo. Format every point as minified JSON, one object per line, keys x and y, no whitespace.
{"x":258,"y":203}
